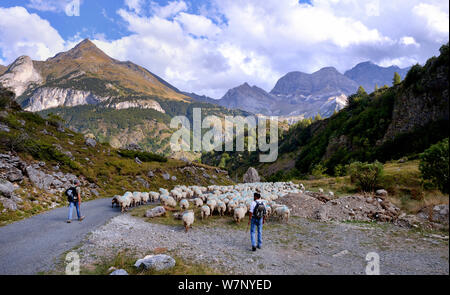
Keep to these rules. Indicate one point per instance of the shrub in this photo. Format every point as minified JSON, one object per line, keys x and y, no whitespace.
{"x":434,"y":165}
{"x":318,"y":170}
{"x":366,"y":176}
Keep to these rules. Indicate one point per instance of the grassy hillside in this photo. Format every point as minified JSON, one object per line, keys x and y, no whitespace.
{"x":35,"y":139}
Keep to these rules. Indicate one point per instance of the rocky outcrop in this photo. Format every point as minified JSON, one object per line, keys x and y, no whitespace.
{"x":251,"y":175}
{"x":47,"y":97}
{"x":140,"y":104}
{"x":413,"y":108}
{"x":20,"y":75}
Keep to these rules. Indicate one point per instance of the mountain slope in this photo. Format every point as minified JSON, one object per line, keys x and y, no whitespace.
{"x":325,"y":82}
{"x":390,"y":123}
{"x":39,"y":158}
{"x":90,"y":74}
{"x":117,"y":102}
{"x":295,"y":95}
{"x":252,"y":99}
{"x":3,"y":69}
{"x":368,"y":74}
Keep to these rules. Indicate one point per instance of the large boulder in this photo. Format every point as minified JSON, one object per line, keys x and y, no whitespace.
{"x":156,"y":262}
{"x":90,"y":142}
{"x":251,"y":175}
{"x":155,"y":212}
{"x":8,"y":204}
{"x":6,"y":188}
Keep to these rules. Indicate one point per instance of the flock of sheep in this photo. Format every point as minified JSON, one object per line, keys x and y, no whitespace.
{"x":234,"y":200}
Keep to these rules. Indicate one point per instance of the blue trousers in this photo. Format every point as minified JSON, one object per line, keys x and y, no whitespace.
{"x":77,"y":205}
{"x":253,"y":224}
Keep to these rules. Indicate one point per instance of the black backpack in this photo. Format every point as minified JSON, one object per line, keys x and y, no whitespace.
{"x":72,"y":194}
{"x":260,"y":210}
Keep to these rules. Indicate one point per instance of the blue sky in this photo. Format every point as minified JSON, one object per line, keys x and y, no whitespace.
{"x":210,"y":46}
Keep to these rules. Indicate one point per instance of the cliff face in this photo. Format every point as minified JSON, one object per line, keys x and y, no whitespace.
{"x":20,"y":75}
{"x":46,"y":98}
{"x":425,"y":100}
{"x":140,"y":104}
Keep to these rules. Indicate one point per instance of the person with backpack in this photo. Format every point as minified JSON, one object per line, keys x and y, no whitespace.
{"x":257,"y":217}
{"x":74,"y":197}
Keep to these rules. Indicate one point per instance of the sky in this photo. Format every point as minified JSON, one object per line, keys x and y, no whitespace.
{"x":208,"y":47}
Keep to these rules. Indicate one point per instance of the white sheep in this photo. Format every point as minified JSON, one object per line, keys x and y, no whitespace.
{"x":154,"y":196}
{"x":145,"y":197}
{"x":136,"y":198}
{"x":198,"y":202}
{"x":211,"y":204}
{"x":221,"y":208}
{"x":206,"y":211}
{"x":124,"y":202}
{"x":168,"y":201}
{"x":239,"y":214}
{"x":188,"y":219}
{"x":184,"y":204}
{"x":283,"y":212}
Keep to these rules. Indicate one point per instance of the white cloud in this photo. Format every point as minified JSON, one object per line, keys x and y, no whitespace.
{"x":135,"y":5}
{"x":171,"y":9}
{"x":437,"y":20}
{"x":50,"y":5}
{"x":224,"y":43}
{"x":22,"y":33}
{"x":407,"y":40}
{"x":197,"y":25}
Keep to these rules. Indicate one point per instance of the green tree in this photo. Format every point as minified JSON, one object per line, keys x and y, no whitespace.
{"x":397,"y":79}
{"x":434,"y":165}
{"x":361,"y":91}
{"x":366,"y":176}
{"x":376,"y":87}
{"x":318,"y":117}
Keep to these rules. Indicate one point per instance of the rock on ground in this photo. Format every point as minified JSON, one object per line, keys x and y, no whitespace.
{"x":6,"y":188}
{"x":251,"y":175}
{"x":155,"y":212}
{"x":156,"y":262}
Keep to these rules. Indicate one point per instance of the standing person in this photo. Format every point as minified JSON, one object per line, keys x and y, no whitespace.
{"x":257,"y":217}
{"x":74,"y":198}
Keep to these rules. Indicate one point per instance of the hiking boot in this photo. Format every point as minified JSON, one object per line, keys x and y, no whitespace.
{"x":259,"y":247}
{"x":253,"y":249}
{"x":69,"y":221}
{"x":81,"y":218}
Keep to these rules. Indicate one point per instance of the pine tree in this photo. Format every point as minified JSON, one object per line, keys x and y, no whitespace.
{"x":397,"y":79}
{"x":361,"y":91}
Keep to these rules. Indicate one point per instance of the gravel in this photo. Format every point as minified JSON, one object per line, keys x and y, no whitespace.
{"x":301,"y":247}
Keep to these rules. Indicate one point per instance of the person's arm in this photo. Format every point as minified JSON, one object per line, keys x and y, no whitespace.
{"x":79,"y":195}
{"x":249,"y":217}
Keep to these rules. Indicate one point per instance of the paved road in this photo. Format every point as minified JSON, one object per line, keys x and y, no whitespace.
{"x":34,"y":244}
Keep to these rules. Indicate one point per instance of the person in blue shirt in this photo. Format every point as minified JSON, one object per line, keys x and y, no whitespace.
{"x":257,"y":217}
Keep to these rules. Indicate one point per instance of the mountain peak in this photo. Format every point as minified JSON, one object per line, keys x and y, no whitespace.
{"x":328,"y":69}
{"x":86,"y":43}
{"x":84,"y":49}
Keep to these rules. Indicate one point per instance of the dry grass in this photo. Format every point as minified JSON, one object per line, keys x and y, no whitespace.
{"x":401,"y":180}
